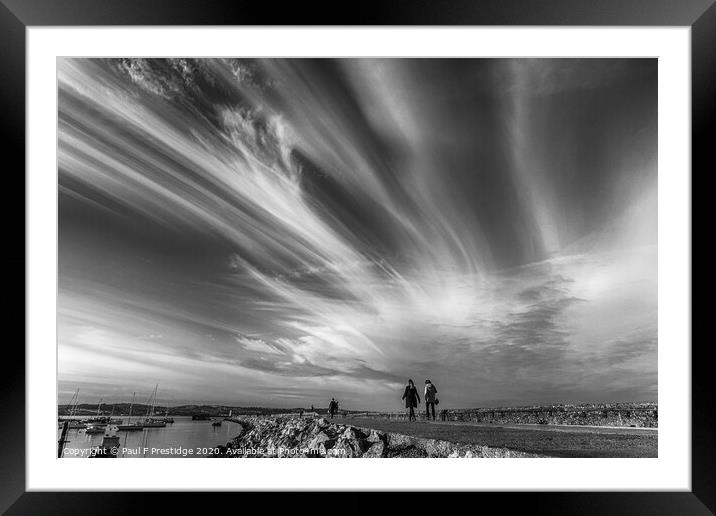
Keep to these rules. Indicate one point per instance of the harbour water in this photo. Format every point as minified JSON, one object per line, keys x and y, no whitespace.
{"x":183,"y":438}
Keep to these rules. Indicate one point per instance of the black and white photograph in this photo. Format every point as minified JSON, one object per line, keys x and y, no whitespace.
{"x":357,"y":257}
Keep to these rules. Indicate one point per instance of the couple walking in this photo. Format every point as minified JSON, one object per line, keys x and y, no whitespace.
{"x":412,"y":398}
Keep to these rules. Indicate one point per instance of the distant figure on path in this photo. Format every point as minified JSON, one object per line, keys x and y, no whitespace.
{"x":333,"y":407}
{"x":430,"y":398}
{"x":412,"y":398}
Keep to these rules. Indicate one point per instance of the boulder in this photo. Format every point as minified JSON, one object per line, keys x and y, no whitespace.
{"x":343,"y":449}
{"x":353,"y":433}
{"x":375,"y":451}
{"x":320,"y":438}
{"x":435,"y":448}
{"x":399,"y":441}
{"x":375,"y":437}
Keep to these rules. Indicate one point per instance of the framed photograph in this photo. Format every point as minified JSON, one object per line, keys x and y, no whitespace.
{"x":452,"y":239}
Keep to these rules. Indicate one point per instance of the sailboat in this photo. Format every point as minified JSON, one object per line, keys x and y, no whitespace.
{"x":131,"y":427}
{"x":150,"y":421}
{"x":73,"y":423}
{"x":166,"y":417}
{"x":96,"y":424}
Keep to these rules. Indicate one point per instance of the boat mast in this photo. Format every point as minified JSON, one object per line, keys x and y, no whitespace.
{"x":99,"y":406}
{"x":74,"y":402}
{"x":130,"y":407}
{"x":154,"y":400}
{"x":150,"y":404}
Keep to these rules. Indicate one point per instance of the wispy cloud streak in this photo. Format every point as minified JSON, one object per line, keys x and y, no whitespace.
{"x":340,"y":225}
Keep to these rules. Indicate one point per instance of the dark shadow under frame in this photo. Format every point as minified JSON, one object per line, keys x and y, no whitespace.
{"x":16,"y":15}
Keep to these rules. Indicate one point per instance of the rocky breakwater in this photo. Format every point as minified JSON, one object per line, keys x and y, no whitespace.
{"x":320,"y":438}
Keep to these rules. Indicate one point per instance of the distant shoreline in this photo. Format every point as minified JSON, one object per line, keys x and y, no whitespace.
{"x":641,"y":414}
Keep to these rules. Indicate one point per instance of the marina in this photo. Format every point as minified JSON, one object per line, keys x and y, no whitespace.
{"x":172,"y":440}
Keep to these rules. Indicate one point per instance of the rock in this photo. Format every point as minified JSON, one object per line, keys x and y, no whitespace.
{"x":290,"y":431}
{"x":343,"y":449}
{"x":435,"y":448}
{"x":375,"y":451}
{"x":362,"y":445}
{"x":351,"y":433}
{"x":375,"y":437}
{"x":399,"y":441}
{"x":322,"y":450}
{"x":320,"y":438}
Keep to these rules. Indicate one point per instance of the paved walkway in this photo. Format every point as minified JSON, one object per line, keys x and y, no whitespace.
{"x":552,"y":440}
{"x":630,"y":430}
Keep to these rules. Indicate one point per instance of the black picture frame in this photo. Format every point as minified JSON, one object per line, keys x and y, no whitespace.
{"x":17,"y":15}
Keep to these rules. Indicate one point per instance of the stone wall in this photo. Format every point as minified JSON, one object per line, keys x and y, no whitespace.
{"x":291,"y":436}
{"x":640,"y":416}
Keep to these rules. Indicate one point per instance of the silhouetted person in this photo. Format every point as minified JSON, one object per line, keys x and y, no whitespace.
{"x":333,"y":407}
{"x":412,"y":398}
{"x":430,"y":398}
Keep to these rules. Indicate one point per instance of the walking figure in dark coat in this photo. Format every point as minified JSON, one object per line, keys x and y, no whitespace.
{"x":333,"y":407}
{"x":430,"y":398}
{"x":412,"y":398}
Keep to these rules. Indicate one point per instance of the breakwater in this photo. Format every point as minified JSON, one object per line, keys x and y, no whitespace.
{"x":643,"y":415}
{"x":292,"y":436}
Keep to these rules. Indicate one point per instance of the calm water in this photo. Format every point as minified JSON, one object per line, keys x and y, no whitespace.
{"x":174,"y":440}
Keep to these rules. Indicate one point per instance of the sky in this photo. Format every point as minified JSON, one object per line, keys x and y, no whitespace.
{"x":277,"y":232}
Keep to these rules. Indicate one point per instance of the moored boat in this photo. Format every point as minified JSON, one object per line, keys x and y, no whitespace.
{"x":150,"y":421}
{"x":166,"y":417}
{"x":153,"y":423}
{"x":131,"y":426}
{"x":72,"y":424}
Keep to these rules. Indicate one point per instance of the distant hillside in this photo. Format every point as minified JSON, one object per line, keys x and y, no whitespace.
{"x":139,"y":409}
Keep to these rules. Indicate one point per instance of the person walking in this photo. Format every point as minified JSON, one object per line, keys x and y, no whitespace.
{"x":333,"y":407}
{"x":412,"y":398}
{"x":430,"y":398}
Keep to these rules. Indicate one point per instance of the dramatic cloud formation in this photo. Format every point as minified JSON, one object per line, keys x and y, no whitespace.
{"x":277,"y":232}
